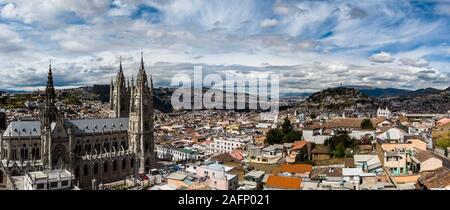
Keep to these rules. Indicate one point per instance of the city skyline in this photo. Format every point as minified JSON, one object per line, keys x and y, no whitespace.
{"x":313,"y":45}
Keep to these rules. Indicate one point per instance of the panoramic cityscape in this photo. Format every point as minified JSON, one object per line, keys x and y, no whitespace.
{"x":224,"y":95}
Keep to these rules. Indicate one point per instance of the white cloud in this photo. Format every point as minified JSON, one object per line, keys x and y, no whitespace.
{"x":48,"y":11}
{"x":267,"y":23}
{"x":414,"y":62}
{"x":11,"y":41}
{"x":318,"y":43}
{"x":9,"y":11}
{"x":382,"y":57}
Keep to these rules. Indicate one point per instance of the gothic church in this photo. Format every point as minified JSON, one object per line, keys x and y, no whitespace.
{"x":104,"y":150}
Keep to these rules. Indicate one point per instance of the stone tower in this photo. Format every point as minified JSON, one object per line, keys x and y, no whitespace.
{"x":119,"y":98}
{"x":140,"y":125}
{"x":49,"y":115}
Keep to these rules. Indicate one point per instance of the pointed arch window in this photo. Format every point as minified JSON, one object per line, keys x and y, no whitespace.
{"x":124,"y":163}
{"x":85,"y":170}
{"x":96,"y":169}
{"x":105,"y":167}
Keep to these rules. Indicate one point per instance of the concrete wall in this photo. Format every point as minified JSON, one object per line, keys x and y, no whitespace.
{"x":358,"y":134}
{"x":319,"y":139}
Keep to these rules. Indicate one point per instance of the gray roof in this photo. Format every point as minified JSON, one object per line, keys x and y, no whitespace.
{"x":23,"y":128}
{"x":97,"y":125}
{"x":33,"y":128}
{"x":273,"y":147}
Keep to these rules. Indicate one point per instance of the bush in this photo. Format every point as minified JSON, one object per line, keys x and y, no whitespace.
{"x":274,"y":136}
{"x":366,"y":124}
{"x":285,"y":134}
{"x":339,"y":143}
{"x":443,"y":142}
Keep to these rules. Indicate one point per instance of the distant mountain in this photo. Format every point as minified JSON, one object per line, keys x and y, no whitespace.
{"x":384,"y":92}
{"x":423,"y":92}
{"x":292,"y":95}
{"x":380,"y":92}
{"x":12,"y":91}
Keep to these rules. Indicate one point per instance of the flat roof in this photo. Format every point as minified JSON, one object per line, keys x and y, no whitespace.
{"x":255,"y":173}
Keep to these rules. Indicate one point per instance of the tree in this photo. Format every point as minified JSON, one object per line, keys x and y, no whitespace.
{"x":339,"y":151}
{"x":285,"y":134}
{"x":292,"y":136}
{"x":287,"y":126}
{"x":274,"y":136}
{"x":339,"y":143}
{"x":366,"y":124}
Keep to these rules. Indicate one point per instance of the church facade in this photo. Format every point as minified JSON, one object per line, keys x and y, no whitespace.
{"x":104,"y":150}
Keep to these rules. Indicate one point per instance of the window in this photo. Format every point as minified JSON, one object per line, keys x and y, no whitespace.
{"x":64,"y":183}
{"x":53,"y":184}
{"x":85,"y":171}
{"x":95,"y":168}
{"x":205,"y":172}
{"x":105,"y":167}
{"x":124,"y":164}
{"x":40,"y":186}
{"x":115,"y":165}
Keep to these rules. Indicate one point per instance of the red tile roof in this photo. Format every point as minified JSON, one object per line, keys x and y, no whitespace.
{"x":296,"y":168}
{"x":284,"y":182}
{"x":299,"y":144}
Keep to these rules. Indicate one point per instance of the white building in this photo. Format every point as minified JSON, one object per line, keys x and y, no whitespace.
{"x":391,"y":134}
{"x":54,"y":180}
{"x":353,"y":177}
{"x":177,"y":154}
{"x":383,"y":112}
{"x":226,"y":145}
{"x":370,"y":163}
{"x":316,"y":136}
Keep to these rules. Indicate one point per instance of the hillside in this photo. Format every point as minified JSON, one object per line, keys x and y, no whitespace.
{"x":337,"y":99}
{"x":428,"y":100}
{"x":366,"y":99}
{"x":383,"y":92}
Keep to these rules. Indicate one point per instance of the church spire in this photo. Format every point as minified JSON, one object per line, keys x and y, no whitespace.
{"x":49,"y":112}
{"x":142,"y":76}
{"x":120,"y":64}
{"x":142,"y":60}
{"x":50,"y":90}
{"x":119,"y":94}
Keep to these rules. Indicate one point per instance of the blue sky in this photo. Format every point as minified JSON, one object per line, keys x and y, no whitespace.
{"x":313,"y":44}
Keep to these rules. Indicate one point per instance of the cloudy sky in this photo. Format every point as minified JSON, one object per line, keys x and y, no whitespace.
{"x":313,"y":44}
